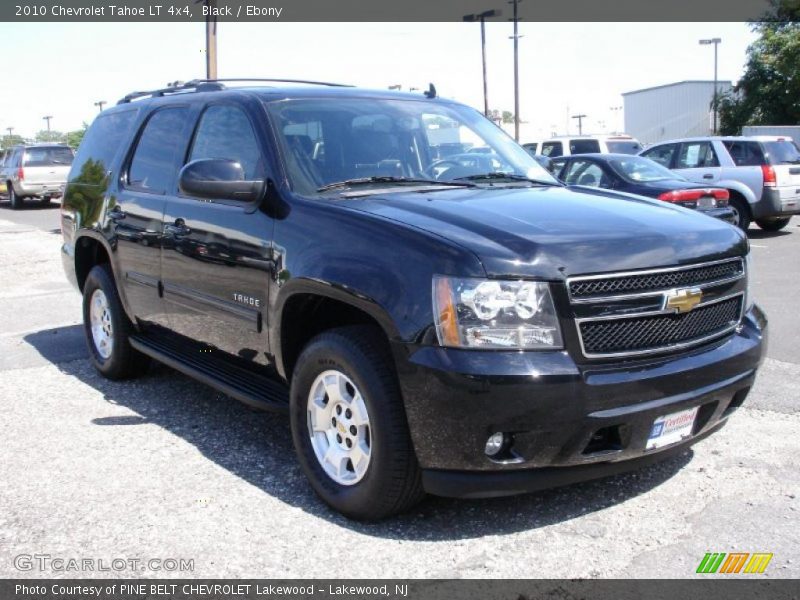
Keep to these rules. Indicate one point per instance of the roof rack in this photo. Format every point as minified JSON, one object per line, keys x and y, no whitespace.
{"x":211,"y":85}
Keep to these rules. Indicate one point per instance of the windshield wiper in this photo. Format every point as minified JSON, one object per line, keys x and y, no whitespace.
{"x":511,"y":176}
{"x":388,"y":179}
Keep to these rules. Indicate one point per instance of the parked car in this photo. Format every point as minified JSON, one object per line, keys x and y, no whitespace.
{"x":428,"y":325}
{"x":3,"y":156}
{"x":642,"y":176}
{"x":36,"y":171}
{"x":587,"y":144}
{"x":762,"y":174}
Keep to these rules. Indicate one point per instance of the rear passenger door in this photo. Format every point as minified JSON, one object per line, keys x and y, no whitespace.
{"x":698,"y":162}
{"x":217,"y":256}
{"x":137,"y":212}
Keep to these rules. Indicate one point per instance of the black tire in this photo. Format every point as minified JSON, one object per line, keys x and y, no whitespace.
{"x":124,"y":361}
{"x":773,"y":224}
{"x":392,"y":481}
{"x":742,"y":210}
{"x":46,"y":200}
{"x":15,"y":200}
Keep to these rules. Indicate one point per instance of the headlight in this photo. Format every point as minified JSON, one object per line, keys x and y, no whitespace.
{"x":482,"y":313}
{"x":748,"y":273}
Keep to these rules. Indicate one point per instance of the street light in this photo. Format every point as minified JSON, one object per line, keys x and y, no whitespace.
{"x":618,"y":109}
{"x":516,"y":37}
{"x":47,"y":118}
{"x":99,"y":104}
{"x":580,"y":122}
{"x":716,"y":42}
{"x":487,"y":14}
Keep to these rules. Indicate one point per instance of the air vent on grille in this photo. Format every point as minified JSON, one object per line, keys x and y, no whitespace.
{"x":640,"y":334}
{"x":648,"y":282}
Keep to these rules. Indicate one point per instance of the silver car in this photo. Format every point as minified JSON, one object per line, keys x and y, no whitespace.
{"x":36,"y":171}
{"x":761,"y":173}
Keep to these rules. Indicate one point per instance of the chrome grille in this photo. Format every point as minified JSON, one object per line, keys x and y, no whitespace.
{"x":660,"y":332}
{"x":652,"y":281}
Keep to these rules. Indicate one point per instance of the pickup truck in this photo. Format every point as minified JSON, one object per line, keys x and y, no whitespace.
{"x":428,"y":326}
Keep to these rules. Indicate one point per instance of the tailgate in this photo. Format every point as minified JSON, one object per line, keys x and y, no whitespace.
{"x":50,"y":175}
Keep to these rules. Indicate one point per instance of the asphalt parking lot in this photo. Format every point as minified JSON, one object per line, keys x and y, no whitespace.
{"x":166,"y":468}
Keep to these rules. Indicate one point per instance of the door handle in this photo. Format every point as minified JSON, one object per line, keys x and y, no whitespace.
{"x":117,"y":214}
{"x":708,"y":176}
{"x":178,"y":228}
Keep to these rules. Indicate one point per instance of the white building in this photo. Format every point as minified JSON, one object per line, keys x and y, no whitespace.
{"x":675,"y":110}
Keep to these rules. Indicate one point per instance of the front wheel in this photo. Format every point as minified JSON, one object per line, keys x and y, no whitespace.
{"x":773,"y":224}
{"x":108,"y":328}
{"x":349,"y":426}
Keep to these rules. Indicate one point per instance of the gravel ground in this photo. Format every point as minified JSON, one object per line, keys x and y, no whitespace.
{"x":164,"y":467}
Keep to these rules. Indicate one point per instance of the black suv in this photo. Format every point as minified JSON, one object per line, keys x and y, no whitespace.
{"x":466,"y":328}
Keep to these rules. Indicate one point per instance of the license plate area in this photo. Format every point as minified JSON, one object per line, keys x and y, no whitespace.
{"x":672,"y":428}
{"x":707,"y":202}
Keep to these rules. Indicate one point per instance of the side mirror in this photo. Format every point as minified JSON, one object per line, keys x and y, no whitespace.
{"x":218,"y":179}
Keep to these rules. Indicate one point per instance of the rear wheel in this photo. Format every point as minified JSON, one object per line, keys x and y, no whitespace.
{"x":349,"y":425}
{"x":15,"y":200}
{"x":45,"y":200}
{"x":108,"y":328}
{"x":741,"y":213}
{"x":773,"y":224}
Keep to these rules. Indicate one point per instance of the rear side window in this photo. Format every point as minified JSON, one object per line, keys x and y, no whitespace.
{"x":552,"y":149}
{"x":154,"y":164}
{"x":47,"y":156}
{"x":101,"y":142}
{"x":661,"y":154}
{"x":744,"y":154}
{"x":584,"y":146}
{"x":782,"y":152}
{"x":623,"y":147}
{"x":225,"y":132}
{"x":696,"y":155}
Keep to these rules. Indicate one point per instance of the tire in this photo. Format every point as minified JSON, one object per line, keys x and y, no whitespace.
{"x":773,"y":224}
{"x":741,"y":211}
{"x":116,"y":358}
{"x":45,"y":200}
{"x":15,"y":200}
{"x":388,"y":481}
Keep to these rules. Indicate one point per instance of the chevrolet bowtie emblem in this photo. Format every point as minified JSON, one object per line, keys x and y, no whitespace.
{"x":682,"y":301}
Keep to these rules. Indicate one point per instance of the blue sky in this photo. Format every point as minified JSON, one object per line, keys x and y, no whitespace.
{"x":62,"y":69}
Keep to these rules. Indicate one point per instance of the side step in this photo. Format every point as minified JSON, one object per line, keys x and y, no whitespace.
{"x":246,"y":385}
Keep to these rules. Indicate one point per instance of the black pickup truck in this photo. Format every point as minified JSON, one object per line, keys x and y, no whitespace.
{"x":462,"y":325}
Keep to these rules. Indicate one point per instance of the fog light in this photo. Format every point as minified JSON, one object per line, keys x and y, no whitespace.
{"x":495,"y":443}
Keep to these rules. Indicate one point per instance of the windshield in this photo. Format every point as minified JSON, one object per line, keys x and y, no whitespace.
{"x":782,"y":152}
{"x":328,"y":141}
{"x":47,"y":156}
{"x":638,"y":169}
{"x":623,"y":147}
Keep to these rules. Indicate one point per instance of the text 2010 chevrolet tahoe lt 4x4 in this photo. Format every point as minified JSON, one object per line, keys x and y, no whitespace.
{"x":459,"y":327}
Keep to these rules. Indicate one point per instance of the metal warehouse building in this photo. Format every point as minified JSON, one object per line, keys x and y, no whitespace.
{"x":670,"y":111}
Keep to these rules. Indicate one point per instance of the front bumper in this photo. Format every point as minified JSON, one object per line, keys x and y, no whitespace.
{"x":569,"y":421}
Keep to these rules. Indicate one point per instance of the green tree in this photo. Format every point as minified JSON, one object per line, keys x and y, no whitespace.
{"x":74,"y":138}
{"x":11,"y":140}
{"x":49,"y":136}
{"x":769,"y":91}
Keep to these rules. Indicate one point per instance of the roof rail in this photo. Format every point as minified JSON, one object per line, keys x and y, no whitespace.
{"x":210,"y":85}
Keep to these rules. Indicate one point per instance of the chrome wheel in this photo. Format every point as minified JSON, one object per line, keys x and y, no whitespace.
{"x":338,"y":425}
{"x":100,"y":321}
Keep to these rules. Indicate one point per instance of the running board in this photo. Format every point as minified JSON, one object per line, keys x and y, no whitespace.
{"x":246,"y":385}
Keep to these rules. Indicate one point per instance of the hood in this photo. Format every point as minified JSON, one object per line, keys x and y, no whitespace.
{"x":556,"y":232}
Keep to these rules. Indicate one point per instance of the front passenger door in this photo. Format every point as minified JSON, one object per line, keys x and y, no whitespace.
{"x":698,"y":162}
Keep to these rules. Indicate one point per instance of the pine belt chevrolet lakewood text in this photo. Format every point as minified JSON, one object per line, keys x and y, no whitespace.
{"x":462,"y":328}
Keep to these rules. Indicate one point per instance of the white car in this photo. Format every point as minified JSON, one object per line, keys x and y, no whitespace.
{"x":615,"y":143}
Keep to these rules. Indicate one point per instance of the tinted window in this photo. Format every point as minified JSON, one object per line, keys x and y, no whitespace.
{"x":745,"y":154}
{"x":637,"y":169}
{"x":584,"y":146}
{"x":623,"y":147}
{"x":661,"y":154}
{"x":47,"y":156}
{"x":101,"y":142}
{"x":696,"y":155}
{"x":585,"y":172}
{"x":531,"y":147}
{"x":153,"y":167}
{"x":782,"y":152}
{"x":225,"y":132}
{"x":552,"y":149}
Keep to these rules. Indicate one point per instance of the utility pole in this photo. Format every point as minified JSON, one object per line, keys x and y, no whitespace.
{"x":716,"y":42}
{"x":580,"y":122}
{"x":211,"y":40}
{"x":516,"y":37}
{"x":9,"y":130}
{"x":617,"y":109}
{"x":482,"y":18}
{"x":99,"y":104}
{"x":47,"y":118}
